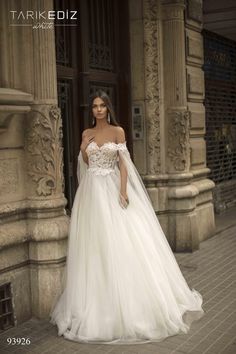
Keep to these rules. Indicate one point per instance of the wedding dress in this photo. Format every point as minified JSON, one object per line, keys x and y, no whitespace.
{"x":123,"y":284}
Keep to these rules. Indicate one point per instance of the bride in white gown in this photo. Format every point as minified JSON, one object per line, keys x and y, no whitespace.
{"x":123,"y":284}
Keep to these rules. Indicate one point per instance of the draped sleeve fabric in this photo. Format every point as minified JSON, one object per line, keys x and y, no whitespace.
{"x":81,"y":167}
{"x":134,"y":179}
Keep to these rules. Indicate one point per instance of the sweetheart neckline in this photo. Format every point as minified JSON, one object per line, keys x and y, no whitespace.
{"x":108,"y":142}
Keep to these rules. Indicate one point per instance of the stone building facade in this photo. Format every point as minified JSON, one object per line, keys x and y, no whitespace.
{"x":167,"y":84}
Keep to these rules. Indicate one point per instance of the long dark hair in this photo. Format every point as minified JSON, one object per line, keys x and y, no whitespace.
{"x":106,"y":99}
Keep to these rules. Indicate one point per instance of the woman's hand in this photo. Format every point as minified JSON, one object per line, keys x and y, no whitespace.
{"x":86,"y":140}
{"x":123,"y":200}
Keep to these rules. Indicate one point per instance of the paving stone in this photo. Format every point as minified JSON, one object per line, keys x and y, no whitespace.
{"x":210,"y":270}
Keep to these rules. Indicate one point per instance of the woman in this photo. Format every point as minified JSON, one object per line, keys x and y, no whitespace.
{"x":123,"y":284}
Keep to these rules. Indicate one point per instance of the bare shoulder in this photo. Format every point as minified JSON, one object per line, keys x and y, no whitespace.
{"x":86,"y":132}
{"x":120,"y":134}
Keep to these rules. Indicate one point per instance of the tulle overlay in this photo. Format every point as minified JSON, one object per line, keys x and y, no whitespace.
{"x":123,"y":284}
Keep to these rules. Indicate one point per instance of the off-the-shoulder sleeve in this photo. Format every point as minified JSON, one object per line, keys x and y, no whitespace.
{"x":134,"y":179}
{"x":122,"y":146}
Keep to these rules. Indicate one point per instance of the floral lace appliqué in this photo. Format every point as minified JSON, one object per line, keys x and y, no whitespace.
{"x":103,"y":159}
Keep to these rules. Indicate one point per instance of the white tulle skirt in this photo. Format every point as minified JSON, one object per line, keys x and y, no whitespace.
{"x":123,"y":284}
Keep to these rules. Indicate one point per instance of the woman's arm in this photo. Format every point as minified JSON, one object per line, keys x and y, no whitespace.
{"x":86,"y":139}
{"x":123,"y":171}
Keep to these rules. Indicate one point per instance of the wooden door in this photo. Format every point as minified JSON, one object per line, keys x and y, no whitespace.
{"x":90,"y":56}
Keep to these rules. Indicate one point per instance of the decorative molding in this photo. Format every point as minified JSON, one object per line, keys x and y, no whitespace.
{"x":152,"y":85}
{"x":173,"y":10}
{"x":194,"y":47}
{"x":198,"y":152}
{"x":197,"y":120}
{"x":27,"y":263}
{"x":171,"y":13}
{"x":44,"y":146}
{"x":195,"y":80}
{"x":150,"y":10}
{"x":178,"y":140}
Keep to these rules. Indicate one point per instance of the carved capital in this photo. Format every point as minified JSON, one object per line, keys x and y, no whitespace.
{"x":173,"y":9}
{"x":45,"y":152}
{"x":150,"y":9}
{"x":178,"y":140}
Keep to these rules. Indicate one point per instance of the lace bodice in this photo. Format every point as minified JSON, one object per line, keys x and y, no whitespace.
{"x":103,"y":159}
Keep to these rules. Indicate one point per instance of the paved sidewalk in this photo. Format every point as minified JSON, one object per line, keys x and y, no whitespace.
{"x":211,"y":270}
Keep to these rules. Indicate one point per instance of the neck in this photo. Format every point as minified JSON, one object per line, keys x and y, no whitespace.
{"x":102,"y":123}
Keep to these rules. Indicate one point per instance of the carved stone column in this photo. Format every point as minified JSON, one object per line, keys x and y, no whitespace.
{"x":178,"y":151}
{"x":151,"y":58}
{"x":47,"y":222}
{"x":175,"y":86}
{"x":45,"y":84}
{"x":45,"y":160}
{"x":153,"y":104}
{"x":183,"y":231}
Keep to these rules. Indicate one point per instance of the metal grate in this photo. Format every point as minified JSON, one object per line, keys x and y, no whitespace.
{"x":6,"y":309}
{"x":63,"y":35}
{"x":220,"y":104}
{"x":101,"y":34}
{"x":109,"y":89}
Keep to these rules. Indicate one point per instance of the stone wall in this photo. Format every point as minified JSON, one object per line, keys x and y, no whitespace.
{"x":195,"y":96}
{"x":167,"y":80}
{"x":33,"y":224}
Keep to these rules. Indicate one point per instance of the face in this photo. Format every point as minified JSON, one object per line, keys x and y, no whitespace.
{"x":99,"y":108}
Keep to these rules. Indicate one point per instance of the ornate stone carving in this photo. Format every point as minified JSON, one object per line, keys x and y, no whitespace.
{"x":44,"y":145}
{"x":152,"y":85}
{"x":178,"y":139}
{"x":9,"y":178}
{"x":150,"y":10}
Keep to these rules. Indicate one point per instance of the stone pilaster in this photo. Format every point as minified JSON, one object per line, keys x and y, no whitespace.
{"x":195,"y":96}
{"x":34,"y":227}
{"x":151,"y":62}
{"x":174,"y":53}
{"x":176,"y":113}
{"x":184,"y":194}
{"x":47,"y":223}
{"x":182,"y":227}
{"x":45,"y":84}
{"x":153,"y":101}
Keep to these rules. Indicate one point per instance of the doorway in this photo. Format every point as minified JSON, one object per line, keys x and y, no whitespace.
{"x":94,"y":54}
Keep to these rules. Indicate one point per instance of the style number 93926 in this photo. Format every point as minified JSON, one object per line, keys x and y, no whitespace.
{"x":18,"y":341}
